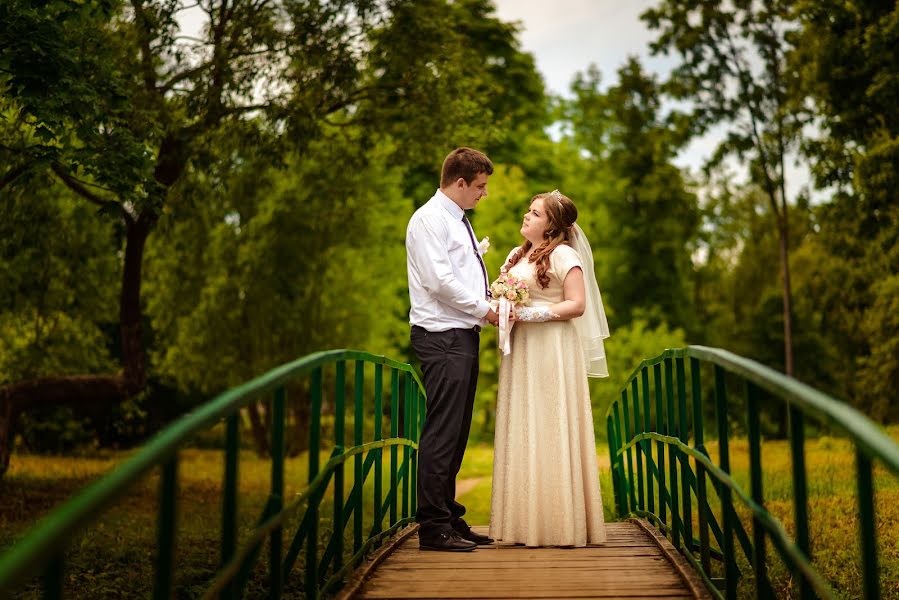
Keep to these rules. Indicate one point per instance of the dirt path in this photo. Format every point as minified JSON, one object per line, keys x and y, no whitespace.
{"x":463,"y":486}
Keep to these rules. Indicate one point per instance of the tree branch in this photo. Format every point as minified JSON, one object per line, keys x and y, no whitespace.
{"x":15,"y":173}
{"x":80,"y":188}
{"x":191,"y":38}
{"x":743,"y":77}
{"x":146,"y":59}
{"x":179,"y":77}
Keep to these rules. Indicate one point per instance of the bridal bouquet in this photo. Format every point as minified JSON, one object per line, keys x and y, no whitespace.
{"x":508,"y":290}
{"x":512,"y":288}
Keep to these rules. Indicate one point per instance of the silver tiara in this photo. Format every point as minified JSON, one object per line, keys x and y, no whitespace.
{"x":556,"y":194}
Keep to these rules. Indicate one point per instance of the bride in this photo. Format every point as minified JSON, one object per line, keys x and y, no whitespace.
{"x":545,"y":475}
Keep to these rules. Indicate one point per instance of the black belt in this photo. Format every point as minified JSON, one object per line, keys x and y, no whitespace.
{"x":476,"y":328}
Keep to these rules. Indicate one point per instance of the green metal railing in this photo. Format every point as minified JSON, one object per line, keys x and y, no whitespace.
{"x":662,"y":412}
{"x":42,"y":551}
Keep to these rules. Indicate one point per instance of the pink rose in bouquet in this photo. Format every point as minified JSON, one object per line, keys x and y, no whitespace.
{"x":512,"y":288}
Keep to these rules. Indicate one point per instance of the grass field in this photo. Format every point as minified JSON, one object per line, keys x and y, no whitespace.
{"x":114,"y":557}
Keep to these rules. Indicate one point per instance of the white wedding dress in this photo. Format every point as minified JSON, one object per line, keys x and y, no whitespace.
{"x":545,"y":475}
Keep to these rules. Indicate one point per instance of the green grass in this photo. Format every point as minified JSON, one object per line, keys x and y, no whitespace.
{"x":114,"y":557}
{"x":832,"y":506}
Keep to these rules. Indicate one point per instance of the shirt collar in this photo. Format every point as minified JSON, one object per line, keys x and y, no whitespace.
{"x":449,"y":206}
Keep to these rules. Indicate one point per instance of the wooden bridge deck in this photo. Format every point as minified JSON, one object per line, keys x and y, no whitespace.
{"x":634,"y":563}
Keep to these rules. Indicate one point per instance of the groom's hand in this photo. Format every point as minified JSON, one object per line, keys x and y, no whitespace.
{"x":492,"y":317}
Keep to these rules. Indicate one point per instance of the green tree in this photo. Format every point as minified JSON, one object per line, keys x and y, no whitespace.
{"x":734,"y":71}
{"x":56,"y":311}
{"x":652,"y":219}
{"x":120,"y":101}
{"x":625,"y":349}
{"x":289,"y":260}
{"x":847,"y":54}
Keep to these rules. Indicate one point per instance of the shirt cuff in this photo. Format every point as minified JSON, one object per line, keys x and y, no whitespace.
{"x":483,"y":309}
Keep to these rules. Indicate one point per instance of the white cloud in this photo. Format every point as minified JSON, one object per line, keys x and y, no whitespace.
{"x":566,"y":36}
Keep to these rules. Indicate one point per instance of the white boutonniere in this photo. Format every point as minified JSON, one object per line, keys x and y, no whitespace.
{"x":484,"y":246}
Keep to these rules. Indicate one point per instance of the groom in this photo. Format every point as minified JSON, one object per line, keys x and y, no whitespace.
{"x":448,"y":289}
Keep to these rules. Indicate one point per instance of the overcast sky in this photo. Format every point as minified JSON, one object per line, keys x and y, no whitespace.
{"x":566,"y":36}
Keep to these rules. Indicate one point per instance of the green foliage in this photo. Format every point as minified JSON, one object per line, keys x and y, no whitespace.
{"x":57,"y":301}
{"x":846,"y":52}
{"x":652,"y":219}
{"x":733,"y":71}
{"x":81,"y":104}
{"x":282,"y":216}
{"x":287,"y":261}
{"x":625,"y":349}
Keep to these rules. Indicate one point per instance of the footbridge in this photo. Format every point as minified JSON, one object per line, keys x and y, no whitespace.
{"x":688,"y":523}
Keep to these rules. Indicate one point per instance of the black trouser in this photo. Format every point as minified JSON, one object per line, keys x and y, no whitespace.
{"x":449,"y":363}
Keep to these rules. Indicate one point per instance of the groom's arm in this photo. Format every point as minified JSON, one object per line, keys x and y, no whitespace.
{"x":430,"y":259}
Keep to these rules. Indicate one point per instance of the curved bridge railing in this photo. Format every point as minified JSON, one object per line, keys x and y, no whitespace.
{"x":325,"y":562}
{"x":663,"y":485}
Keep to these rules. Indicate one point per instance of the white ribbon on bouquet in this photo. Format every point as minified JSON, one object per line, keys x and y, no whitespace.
{"x":505,"y":326}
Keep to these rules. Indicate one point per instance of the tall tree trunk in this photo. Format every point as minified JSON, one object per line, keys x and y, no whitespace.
{"x":8,"y":418}
{"x":259,"y":429}
{"x":90,"y":393}
{"x":783,"y":230}
{"x":130,"y":313}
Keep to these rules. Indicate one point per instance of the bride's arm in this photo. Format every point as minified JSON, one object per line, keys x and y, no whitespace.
{"x":570,"y":308}
{"x":575,"y":297}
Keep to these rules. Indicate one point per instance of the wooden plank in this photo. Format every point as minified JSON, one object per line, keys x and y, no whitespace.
{"x":525,"y":595}
{"x":631,"y":565}
{"x":496,"y":584}
{"x":522,"y":593}
{"x":535,"y":596}
{"x":623,"y":564}
{"x":473,"y":558}
{"x":690,"y":577}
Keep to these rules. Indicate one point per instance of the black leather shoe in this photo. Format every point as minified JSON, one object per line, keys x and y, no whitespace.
{"x":477,"y":538}
{"x":446,"y":541}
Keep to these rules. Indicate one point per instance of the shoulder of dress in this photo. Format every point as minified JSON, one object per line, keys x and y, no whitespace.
{"x":510,"y":254}
{"x":565,"y":249}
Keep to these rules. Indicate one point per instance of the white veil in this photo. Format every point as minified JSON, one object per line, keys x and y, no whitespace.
{"x":592,"y":326}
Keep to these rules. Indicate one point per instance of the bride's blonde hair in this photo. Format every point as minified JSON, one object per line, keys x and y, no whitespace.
{"x":562,"y":213}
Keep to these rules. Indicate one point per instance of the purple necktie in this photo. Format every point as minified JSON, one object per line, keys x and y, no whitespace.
{"x":474,"y":245}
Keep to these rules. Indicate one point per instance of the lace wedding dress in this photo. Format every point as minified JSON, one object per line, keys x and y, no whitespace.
{"x":545,"y":474}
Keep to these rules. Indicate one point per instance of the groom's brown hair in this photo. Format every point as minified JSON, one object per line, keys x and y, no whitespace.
{"x":466,"y":163}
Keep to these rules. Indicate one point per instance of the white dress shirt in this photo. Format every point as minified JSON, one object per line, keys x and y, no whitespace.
{"x":447,"y":285}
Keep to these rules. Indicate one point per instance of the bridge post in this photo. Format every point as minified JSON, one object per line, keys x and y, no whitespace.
{"x":683,"y":436}
{"x":277,"y":490}
{"x":662,"y":428}
{"x":647,"y":448}
{"x":759,"y":560}
{"x":673,"y":455}
{"x":699,"y":441}
{"x":379,"y":457}
{"x":638,"y":447}
{"x":727,"y":509}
